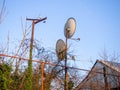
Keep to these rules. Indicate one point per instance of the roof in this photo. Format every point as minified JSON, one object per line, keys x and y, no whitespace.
{"x":112,"y":65}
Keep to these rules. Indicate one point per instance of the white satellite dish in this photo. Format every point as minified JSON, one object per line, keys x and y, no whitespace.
{"x":60,"y":49}
{"x":70,"y":27}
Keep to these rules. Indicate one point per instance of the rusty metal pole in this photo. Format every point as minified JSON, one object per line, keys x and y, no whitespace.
{"x":42,"y":75}
{"x":29,"y":75}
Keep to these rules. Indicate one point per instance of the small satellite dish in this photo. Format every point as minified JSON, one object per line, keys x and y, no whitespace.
{"x":60,"y":49}
{"x":70,"y":27}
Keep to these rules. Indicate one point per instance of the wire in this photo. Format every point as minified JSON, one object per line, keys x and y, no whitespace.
{"x":57,"y":65}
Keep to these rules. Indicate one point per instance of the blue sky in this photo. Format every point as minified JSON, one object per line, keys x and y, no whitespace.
{"x":98,"y":24}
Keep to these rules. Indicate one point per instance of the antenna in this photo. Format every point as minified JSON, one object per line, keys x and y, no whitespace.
{"x":60,"y":49}
{"x":70,"y":27}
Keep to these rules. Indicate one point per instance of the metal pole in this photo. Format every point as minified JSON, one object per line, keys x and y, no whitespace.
{"x":29,"y":75}
{"x":66,"y":81}
{"x":42,"y":76}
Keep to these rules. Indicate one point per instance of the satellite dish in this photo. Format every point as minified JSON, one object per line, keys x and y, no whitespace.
{"x":70,"y":27}
{"x":60,"y":49}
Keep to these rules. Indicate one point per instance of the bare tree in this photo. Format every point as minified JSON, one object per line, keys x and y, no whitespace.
{"x":2,"y":12}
